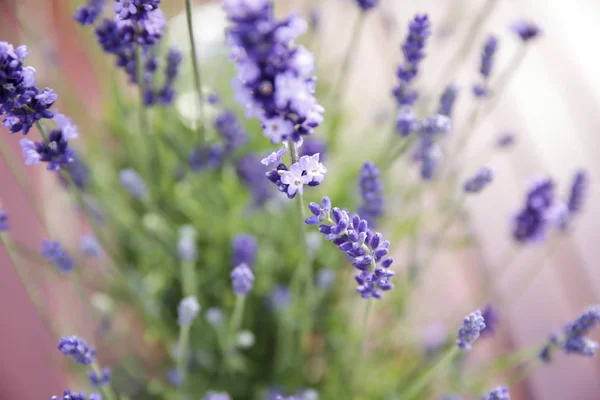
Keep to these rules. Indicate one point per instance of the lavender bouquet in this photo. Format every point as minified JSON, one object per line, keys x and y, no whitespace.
{"x":231,"y":234}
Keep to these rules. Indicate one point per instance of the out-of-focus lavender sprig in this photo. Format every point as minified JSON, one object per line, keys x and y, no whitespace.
{"x":526,"y":30}
{"x":472,"y":326}
{"x":531,"y":223}
{"x":367,"y":5}
{"x":427,"y":151}
{"x":100,"y":380}
{"x":487,"y":61}
{"x":136,"y":10}
{"x":216,"y":396}
{"x":578,"y":192}
{"x":186,"y":245}
{"x":447,"y":100}
{"x":88,"y":13}
{"x":505,"y":140}
{"x":21,"y":102}
{"x":312,"y":146}
{"x":187,"y":311}
{"x":69,"y":395}
{"x":490,"y":316}
{"x":78,"y":349}
{"x":57,"y":255}
{"x":371,"y":192}
{"x":498,"y":393}
{"x":308,"y":170}
{"x":479,"y":181}
{"x":3,"y":220}
{"x":244,"y":249}
{"x":572,"y":339}
{"x":252,"y":174}
{"x":419,"y":29}
{"x":90,"y":247}
{"x":242,"y":279}
{"x":353,"y":237}
{"x":275,"y":80}
{"x":133,"y":183}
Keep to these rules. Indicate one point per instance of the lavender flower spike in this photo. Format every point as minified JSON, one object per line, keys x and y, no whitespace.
{"x":133,"y":183}
{"x":473,"y":324}
{"x":366,"y":5}
{"x":187,"y":310}
{"x":487,"y":61}
{"x":244,"y":250}
{"x":526,"y":30}
{"x":102,"y":380}
{"x":371,"y":191}
{"x":78,"y":349}
{"x":3,"y":220}
{"x":87,"y":14}
{"x":57,"y":256}
{"x":480,"y":180}
{"x":578,"y":191}
{"x":447,"y":100}
{"x":186,"y":245}
{"x":366,"y":248}
{"x":242,"y":279}
{"x":68,"y":395}
{"x":90,"y":247}
{"x":499,"y":393}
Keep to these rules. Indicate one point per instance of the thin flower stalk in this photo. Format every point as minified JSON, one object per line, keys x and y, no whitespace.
{"x":421,"y":381}
{"x":108,"y":392}
{"x":197,"y":71}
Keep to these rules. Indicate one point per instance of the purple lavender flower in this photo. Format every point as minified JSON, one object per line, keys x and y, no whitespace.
{"x":174,"y":377}
{"x":315,"y":19}
{"x":55,"y":152}
{"x":166,"y":95}
{"x":490,"y":317}
{"x":133,"y":183}
{"x":68,"y":395}
{"x":505,"y":140}
{"x":216,"y":396}
{"x":102,"y":380}
{"x":187,"y":311}
{"x":325,"y":278}
{"x":499,"y":393}
{"x":572,"y":339}
{"x":88,"y":13}
{"x":242,"y":279}
{"x":231,"y":130}
{"x":480,"y":180}
{"x":366,"y":248}
{"x":447,"y":100}
{"x":578,"y":191}
{"x":531,"y":223}
{"x":280,"y":298}
{"x":3,"y":221}
{"x":210,"y":156}
{"x":473,"y":324}
{"x":366,"y":5}
{"x":252,"y":175}
{"x":214,"y":316}
{"x":306,"y":171}
{"x":487,"y":61}
{"x":275,"y":157}
{"x":275,"y":79}
{"x":371,"y":192}
{"x":90,"y":246}
{"x":135,"y":9}
{"x":77,"y":170}
{"x":244,"y":250}
{"x":419,"y":29}
{"x":526,"y":30}
{"x":78,"y":349}
{"x":57,"y":256}
{"x":407,"y":122}
{"x":186,"y":245}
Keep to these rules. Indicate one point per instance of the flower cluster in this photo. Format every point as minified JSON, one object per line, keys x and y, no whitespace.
{"x":100,"y":380}
{"x":366,"y":248}
{"x":275,"y":80}
{"x":447,"y":100}
{"x":68,"y":395}
{"x":371,"y":192}
{"x":487,"y":61}
{"x":55,"y":151}
{"x":419,"y":29}
{"x":481,"y":179}
{"x":572,"y":339}
{"x":531,"y":223}
{"x":138,"y":23}
{"x":88,"y":13}
{"x":187,"y":310}
{"x":499,"y":393}
{"x":57,"y":256}
{"x":242,"y":279}
{"x":366,"y":5}
{"x":233,"y":136}
{"x":472,"y":326}
{"x":427,"y":151}
{"x":78,"y":349}
{"x":308,"y":170}
{"x":526,"y":30}
{"x":3,"y":220}
{"x":21,"y":103}
{"x":243,"y":250}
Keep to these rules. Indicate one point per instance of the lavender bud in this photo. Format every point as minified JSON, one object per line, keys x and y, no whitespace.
{"x":242,"y":279}
{"x":187,"y":310}
{"x":473,"y":324}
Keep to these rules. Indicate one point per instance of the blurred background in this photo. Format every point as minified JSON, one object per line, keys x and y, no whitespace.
{"x":550,"y":105}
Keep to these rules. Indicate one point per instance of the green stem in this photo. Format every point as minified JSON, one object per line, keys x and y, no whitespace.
{"x":107,"y":390}
{"x":151,"y":162}
{"x":236,"y":319}
{"x":196,"y":67}
{"x":358,"y":377}
{"x":182,"y":350}
{"x":188,"y":278}
{"x":423,"y":379}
